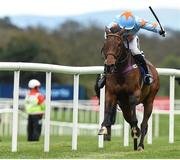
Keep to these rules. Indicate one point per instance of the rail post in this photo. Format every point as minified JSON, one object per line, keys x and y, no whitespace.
{"x":171,"y":109}
{"x":15,"y":110}
{"x":75,"y":111}
{"x":47,"y":112}
{"x":126,"y":133}
{"x":101,"y":116}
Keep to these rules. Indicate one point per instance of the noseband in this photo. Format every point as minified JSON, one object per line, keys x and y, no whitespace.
{"x":113,"y":35}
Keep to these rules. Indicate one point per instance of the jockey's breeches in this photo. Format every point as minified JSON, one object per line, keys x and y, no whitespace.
{"x":133,"y":45}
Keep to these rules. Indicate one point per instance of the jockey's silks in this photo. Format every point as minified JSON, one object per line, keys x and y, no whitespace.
{"x":139,"y":24}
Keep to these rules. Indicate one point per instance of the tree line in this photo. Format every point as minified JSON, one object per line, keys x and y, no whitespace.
{"x":73,"y":44}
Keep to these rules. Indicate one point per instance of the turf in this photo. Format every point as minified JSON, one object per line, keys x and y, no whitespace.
{"x":88,"y":148}
{"x":60,"y":147}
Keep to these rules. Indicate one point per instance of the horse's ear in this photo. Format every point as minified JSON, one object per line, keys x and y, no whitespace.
{"x":122,"y":31}
{"x":107,"y":30}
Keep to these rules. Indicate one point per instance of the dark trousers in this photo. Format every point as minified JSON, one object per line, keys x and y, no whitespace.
{"x":34,"y":127}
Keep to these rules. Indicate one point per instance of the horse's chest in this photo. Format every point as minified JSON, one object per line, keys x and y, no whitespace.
{"x":117,"y":88}
{"x":121,"y":87}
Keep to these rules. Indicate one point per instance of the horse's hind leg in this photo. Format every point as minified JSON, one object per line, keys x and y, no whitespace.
{"x":107,"y":137}
{"x":148,"y":105}
{"x":135,"y":132}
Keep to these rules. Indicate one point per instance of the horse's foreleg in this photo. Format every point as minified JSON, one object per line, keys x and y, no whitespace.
{"x":110,"y":113}
{"x":144,"y":125}
{"x":109,"y":119}
{"x":110,"y":116}
{"x":112,"y":120}
{"x":107,"y":137}
{"x":133,"y":102}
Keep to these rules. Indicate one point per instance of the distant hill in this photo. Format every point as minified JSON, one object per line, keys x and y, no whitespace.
{"x":168,"y":17}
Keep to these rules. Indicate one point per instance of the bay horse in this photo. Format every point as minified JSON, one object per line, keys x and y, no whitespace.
{"x":124,"y":87}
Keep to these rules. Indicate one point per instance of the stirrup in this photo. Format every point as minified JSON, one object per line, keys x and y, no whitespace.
{"x":148,"y":79}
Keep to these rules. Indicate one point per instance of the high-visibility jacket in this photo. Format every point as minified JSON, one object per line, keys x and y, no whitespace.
{"x":34,"y":102}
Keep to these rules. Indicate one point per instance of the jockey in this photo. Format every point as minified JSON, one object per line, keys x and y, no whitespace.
{"x":132,"y":25}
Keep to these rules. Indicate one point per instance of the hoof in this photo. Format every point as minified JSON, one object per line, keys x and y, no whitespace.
{"x":140,"y":149}
{"x":102,"y":131}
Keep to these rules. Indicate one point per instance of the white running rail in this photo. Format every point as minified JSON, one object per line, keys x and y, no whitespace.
{"x":16,"y":67}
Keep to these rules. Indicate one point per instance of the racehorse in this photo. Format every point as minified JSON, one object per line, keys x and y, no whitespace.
{"x":125,"y":87}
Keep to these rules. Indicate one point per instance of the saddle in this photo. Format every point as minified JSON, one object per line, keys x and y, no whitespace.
{"x":133,"y":63}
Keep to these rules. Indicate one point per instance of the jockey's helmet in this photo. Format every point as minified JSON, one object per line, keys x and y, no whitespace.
{"x":127,"y":20}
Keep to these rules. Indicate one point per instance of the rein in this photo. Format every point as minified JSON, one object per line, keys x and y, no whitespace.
{"x":118,"y":59}
{"x":123,"y":60}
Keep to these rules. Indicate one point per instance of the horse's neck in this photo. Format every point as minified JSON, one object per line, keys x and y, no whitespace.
{"x":125,"y":63}
{"x":131,"y":59}
{"x":126,"y":58}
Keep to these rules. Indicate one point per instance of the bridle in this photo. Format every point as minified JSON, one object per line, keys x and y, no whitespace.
{"x":118,"y":58}
{"x":113,"y":34}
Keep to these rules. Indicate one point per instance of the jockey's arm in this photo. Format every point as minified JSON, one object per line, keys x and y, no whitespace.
{"x":148,"y":25}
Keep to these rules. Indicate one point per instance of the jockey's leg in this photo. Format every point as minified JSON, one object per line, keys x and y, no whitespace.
{"x":139,"y":58}
{"x":101,"y":82}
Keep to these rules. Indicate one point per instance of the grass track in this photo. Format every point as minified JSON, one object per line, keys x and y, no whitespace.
{"x":88,"y":148}
{"x":60,"y":147}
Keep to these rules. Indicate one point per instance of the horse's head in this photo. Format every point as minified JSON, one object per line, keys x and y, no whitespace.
{"x":113,"y":49}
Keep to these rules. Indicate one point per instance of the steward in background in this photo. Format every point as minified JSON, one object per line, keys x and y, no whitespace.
{"x":34,"y":104}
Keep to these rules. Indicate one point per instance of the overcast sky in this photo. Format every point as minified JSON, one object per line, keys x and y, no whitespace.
{"x":76,"y":7}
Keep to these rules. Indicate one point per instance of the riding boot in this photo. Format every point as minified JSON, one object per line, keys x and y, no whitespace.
{"x":102,"y":80}
{"x":140,"y":61}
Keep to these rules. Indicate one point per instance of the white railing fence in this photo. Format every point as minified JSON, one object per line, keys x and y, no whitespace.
{"x":61,"y":118}
{"x":76,"y":71}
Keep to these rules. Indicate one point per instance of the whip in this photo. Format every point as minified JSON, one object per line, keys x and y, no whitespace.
{"x":162,"y":29}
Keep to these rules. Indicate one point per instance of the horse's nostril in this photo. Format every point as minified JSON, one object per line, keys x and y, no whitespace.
{"x":110,"y":60}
